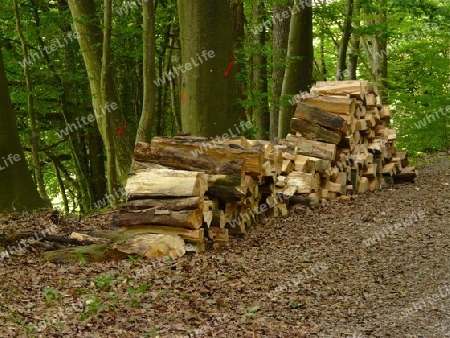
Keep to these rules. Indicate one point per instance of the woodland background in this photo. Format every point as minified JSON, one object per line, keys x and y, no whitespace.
{"x":263,"y":58}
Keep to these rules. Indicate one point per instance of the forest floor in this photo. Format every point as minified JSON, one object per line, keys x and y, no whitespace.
{"x":316,"y":273}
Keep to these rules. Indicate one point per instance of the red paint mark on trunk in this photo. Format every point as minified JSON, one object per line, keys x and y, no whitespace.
{"x":183,"y":98}
{"x":230,"y":66}
{"x":122,"y":127}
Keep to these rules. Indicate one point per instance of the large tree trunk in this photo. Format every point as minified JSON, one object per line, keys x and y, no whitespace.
{"x":209,"y":88}
{"x":343,"y":46}
{"x":298,"y":75}
{"x":34,"y":139}
{"x":144,"y":133}
{"x":109,"y":114}
{"x":280,"y":41}
{"x":18,"y":189}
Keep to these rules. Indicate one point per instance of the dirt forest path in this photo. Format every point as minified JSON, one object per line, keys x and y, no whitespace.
{"x":375,"y":266}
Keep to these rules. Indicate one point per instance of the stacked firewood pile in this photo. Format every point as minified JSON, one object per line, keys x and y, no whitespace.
{"x":200,"y":188}
{"x":342,"y":144}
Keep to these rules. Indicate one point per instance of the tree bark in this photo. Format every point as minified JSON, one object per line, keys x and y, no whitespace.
{"x":298,"y":75}
{"x":280,"y":41}
{"x":119,"y":148}
{"x":261,"y":111}
{"x":355,"y":43}
{"x":145,"y":129}
{"x":238,"y":18}
{"x":19,"y":191}
{"x":209,"y":88}
{"x":34,"y":139}
{"x":343,"y":46}
{"x":377,"y":52}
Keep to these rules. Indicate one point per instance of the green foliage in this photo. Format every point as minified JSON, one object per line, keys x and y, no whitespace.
{"x":81,"y":259}
{"x":51,"y":296}
{"x":103,"y":283}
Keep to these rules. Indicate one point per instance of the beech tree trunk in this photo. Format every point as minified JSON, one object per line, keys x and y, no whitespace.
{"x":343,"y":46}
{"x":144,"y":132}
{"x":116,"y":136}
{"x":208,"y":89}
{"x":300,"y":54}
{"x":19,"y":192}
{"x":261,"y":111}
{"x":280,"y":41}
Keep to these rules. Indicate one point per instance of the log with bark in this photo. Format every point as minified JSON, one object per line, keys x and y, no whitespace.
{"x":189,"y":219}
{"x":166,"y":183}
{"x":319,"y":116}
{"x":313,"y":131}
{"x":120,"y":245}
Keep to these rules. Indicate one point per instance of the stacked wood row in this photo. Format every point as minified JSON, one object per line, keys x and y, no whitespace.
{"x":200,"y":188}
{"x":206,"y":189}
{"x":341,"y":144}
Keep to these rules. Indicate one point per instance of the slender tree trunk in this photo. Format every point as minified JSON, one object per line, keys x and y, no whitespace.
{"x":118,"y":137}
{"x":343,"y":46}
{"x":280,"y":42}
{"x":145,"y":129}
{"x":323,"y":66}
{"x":383,"y":45}
{"x":300,"y":55}
{"x":34,"y":139}
{"x":355,"y":43}
{"x":209,"y":88}
{"x":113,"y":179}
{"x":83,"y":182}
{"x":377,"y":52}
{"x":19,"y":192}
{"x":261,"y":111}
{"x":238,"y":18}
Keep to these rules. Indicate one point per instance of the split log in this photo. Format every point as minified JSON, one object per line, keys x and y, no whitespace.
{"x":312,"y":148}
{"x":408,"y":174}
{"x":363,"y":185}
{"x":188,"y":155}
{"x":360,"y":125}
{"x":124,"y":244}
{"x":306,"y":201}
{"x":174,"y":204}
{"x":371,"y":100}
{"x":186,"y":234}
{"x":319,"y":116}
{"x":313,"y":131}
{"x":166,"y":183}
{"x":225,"y":187}
{"x":385,"y":113}
{"x":346,"y":88}
{"x":219,"y":235}
{"x":207,"y":155}
{"x":337,"y":188}
{"x":287,"y":167}
{"x":302,"y":181}
{"x":189,"y":219}
{"x":152,"y":246}
{"x":403,"y":156}
{"x":336,"y":105}
{"x":218,"y":219}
